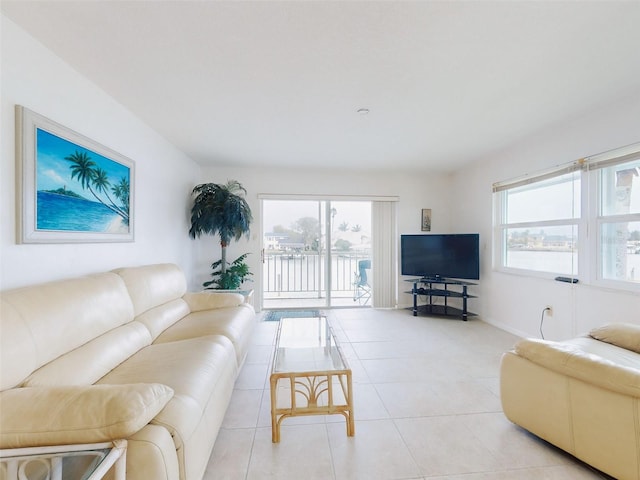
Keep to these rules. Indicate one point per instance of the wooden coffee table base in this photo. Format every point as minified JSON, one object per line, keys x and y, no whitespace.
{"x":311,"y":393}
{"x":309,"y":374}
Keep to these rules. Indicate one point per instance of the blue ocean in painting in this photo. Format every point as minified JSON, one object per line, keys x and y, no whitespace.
{"x":62,"y":212}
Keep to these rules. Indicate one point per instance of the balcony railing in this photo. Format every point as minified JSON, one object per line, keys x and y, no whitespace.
{"x":295,"y":273}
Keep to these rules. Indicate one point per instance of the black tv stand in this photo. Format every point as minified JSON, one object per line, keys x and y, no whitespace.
{"x":434,"y":287}
{"x":436,"y":279}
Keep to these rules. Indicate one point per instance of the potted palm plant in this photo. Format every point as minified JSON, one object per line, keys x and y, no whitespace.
{"x":222,"y":210}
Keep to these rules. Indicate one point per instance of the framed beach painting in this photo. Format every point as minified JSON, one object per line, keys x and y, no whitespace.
{"x":70,"y":188}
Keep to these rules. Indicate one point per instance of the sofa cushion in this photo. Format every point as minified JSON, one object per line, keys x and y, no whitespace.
{"x":90,"y":362}
{"x":195,"y":369}
{"x":153,"y":285}
{"x":574,"y":361}
{"x":42,"y":322}
{"x":617,"y":355}
{"x":159,"y":318}
{"x":235,"y":323}
{"x":38,"y":416}
{"x":623,"y":335}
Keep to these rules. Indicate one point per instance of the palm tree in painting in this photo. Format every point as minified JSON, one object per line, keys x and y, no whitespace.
{"x":91,"y":176}
{"x":102,"y":184}
{"x":121,"y":192}
{"x":82,"y":168}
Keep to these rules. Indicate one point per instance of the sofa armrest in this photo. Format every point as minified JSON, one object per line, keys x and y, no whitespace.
{"x":570,"y":360}
{"x":198,"y":301}
{"x":40,"y":416}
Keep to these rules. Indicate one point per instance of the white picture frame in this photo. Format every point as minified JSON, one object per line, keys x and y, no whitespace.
{"x":70,"y":189}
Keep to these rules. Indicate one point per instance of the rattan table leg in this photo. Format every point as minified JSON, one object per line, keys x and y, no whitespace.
{"x":275,"y":425}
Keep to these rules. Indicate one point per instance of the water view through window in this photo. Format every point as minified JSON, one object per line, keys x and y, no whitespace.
{"x":590,"y":213}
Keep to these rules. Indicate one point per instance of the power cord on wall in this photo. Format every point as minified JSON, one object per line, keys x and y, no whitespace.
{"x":544,"y":310}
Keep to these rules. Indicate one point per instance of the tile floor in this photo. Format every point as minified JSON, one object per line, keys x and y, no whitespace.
{"x":427,"y":406}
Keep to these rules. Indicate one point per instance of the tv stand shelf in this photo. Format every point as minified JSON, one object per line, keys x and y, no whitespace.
{"x":432,"y":288}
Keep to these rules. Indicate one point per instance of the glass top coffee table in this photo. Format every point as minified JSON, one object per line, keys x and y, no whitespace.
{"x":309,"y":374}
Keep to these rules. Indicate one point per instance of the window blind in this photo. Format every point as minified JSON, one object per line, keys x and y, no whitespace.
{"x":593,"y":162}
{"x":540,"y":176}
{"x":384,"y":270}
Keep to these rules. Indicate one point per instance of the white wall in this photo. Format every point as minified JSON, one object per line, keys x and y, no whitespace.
{"x":415,"y":191}
{"x":514,"y":302}
{"x":34,"y":77}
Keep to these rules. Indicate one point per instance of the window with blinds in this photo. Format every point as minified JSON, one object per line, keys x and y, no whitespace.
{"x":581,"y":220}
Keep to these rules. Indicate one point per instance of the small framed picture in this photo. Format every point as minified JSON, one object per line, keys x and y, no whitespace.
{"x":426,"y":219}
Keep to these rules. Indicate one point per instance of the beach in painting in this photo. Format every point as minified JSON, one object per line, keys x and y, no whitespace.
{"x":66,"y":213}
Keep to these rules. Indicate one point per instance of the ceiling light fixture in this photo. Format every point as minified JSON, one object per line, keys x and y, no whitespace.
{"x":363,"y":111}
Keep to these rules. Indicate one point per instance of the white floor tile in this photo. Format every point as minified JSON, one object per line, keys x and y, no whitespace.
{"x":231,"y":454}
{"x":445,"y":445}
{"x":303,"y":453}
{"x":377,"y":451}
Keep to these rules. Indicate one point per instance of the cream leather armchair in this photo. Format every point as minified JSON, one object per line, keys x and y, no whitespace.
{"x":582,"y":395}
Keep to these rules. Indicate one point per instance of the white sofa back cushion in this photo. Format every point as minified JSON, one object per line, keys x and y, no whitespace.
{"x":43,"y":322}
{"x":90,"y":362}
{"x":152,"y":285}
{"x":158,"y":319}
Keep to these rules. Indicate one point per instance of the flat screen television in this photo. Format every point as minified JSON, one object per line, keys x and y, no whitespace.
{"x":436,"y":256}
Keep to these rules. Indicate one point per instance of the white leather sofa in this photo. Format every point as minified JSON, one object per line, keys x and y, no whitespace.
{"x":582,"y":395}
{"x":127,"y":354}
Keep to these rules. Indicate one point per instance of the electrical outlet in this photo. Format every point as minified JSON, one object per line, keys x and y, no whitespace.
{"x":549,"y":310}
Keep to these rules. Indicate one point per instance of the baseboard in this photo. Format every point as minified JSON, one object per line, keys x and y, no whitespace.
{"x":507,"y":328}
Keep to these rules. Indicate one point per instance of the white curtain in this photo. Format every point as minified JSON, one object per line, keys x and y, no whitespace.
{"x":384,"y":269}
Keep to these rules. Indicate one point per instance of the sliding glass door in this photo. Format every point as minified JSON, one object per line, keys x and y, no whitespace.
{"x":312,"y":251}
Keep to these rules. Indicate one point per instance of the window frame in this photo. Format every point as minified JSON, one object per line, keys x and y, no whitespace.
{"x":501,"y":226}
{"x":598,"y":219}
{"x":589,"y":223}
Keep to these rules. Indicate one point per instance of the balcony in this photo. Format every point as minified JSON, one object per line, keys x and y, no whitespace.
{"x":297,"y":279}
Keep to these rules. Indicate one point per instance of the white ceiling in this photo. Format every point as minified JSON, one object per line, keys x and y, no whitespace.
{"x":279,"y":83}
